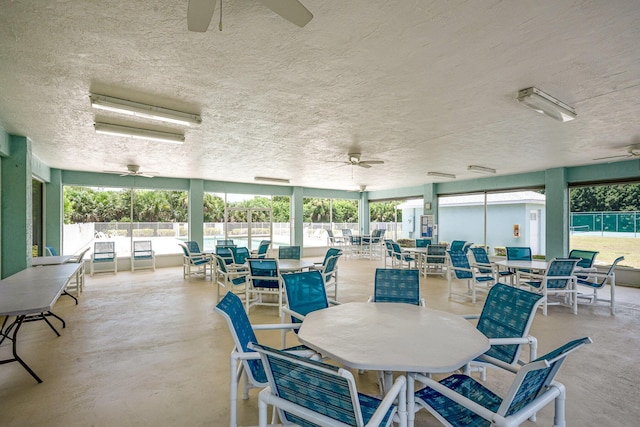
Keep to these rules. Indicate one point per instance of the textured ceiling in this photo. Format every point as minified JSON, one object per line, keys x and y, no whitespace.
{"x":423,"y":85}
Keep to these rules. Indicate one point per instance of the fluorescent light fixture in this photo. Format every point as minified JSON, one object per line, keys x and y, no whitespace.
{"x":137,"y":133}
{"x":123,"y":106}
{"x":546,"y":104}
{"x":266,"y":178}
{"x":441,"y":175}
{"x":480,"y":169}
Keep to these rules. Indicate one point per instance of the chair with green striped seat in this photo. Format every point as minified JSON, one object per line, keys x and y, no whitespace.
{"x":309,"y":393}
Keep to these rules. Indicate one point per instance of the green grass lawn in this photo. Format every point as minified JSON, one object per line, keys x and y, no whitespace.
{"x":610,"y":248}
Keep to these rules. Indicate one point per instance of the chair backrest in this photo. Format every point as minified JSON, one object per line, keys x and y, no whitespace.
{"x":80,"y":257}
{"x":225,"y":242}
{"x":457,"y":245}
{"x":560,"y":267}
{"x":193,"y":246}
{"x":327,"y":389}
{"x":50,"y":251}
{"x":397,"y":285}
{"x":533,"y":378}
{"x":606,"y":276}
{"x":329,"y":267}
{"x":305,"y":292}
{"x":104,"y":251}
{"x":289,"y":252}
{"x":422,"y":243}
{"x":466,"y":246}
{"x":518,"y":253}
{"x":264,"y":273}
{"x":460,"y":261}
{"x":397,"y":250}
{"x":232,"y":309}
{"x":226,"y":253}
{"x":347,"y":232}
{"x":263,"y":248}
{"x":330,"y":253}
{"x":438,"y":254}
{"x":240,"y":255}
{"x":586,"y":258}
{"x":507,"y":313}
{"x":330,"y":234}
{"x":481,"y":257}
{"x":142,"y":249}
{"x":389,"y":245}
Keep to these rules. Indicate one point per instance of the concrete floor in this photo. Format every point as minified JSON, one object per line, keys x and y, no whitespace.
{"x":146,"y":348}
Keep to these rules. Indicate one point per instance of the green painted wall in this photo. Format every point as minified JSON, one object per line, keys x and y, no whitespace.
{"x":16,"y":215}
{"x":54,"y":210}
{"x":196,"y":211}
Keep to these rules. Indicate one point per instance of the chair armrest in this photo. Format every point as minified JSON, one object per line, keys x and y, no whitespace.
{"x":470,"y":316}
{"x":275,"y":326}
{"x":499,"y":363}
{"x":397,"y":391}
{"x":456,"y":397}
{"x":292,"y":313}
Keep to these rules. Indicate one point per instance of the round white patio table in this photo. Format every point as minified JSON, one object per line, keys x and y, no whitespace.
{"x":292,"y":265}
{"x":393,"y":337}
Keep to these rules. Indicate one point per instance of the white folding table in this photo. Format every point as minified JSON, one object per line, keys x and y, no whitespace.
{"x":31,"y":291}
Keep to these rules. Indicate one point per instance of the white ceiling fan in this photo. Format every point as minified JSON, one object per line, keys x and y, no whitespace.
{"x":355,"y":160}
{"x":134,"y":170}
{"x":199,"y":12}
{"x":633,"y":150}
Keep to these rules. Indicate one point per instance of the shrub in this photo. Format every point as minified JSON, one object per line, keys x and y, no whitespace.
{"x":500,"y":251}
{"x":212,"y":231}
{"x":166,"y":232}
{"x":143,"y":232}
{"x":407,"y":243}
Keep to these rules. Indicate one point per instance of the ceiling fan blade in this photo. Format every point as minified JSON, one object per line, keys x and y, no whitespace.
{"x":614,"y":157}
{"x":199,"y":14}
{"x":291,"y":10}
{"x":145,"y":174}
{"x":372,"y":162}
{"x":363,"y":165}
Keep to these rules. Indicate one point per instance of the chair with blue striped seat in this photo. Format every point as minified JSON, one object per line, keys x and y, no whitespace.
{"x":240,"y":255}
{"x":263,"y":248}
{"x":435,"y":260}
{"x":558,"y":280}
{"x":104,"y":253}
{"x":306,"y":292}
{"x":225,"y":242}
{"x":329,"y":269}
{"x":516,"y":253}
{"x":400,"y":258}
{"x":460,"y":268}
{"x":308,"y":393}
{"x":460,"y":400}
{"x":457,"y":245}
{"x":289,"y":252}
{"x":484,"y":264}
{"x":505,"y":319}
{"x":265,"y":282}
{"x":597,"y":281}
{"x":243,"y":360}
{"x":50,"y":251}
{"x":422,"y":243}
{"x":143,"y":254}
{"x":195,"y":263}
{"x":225,"y":252}
{"x":231,"y":278}
{"x":397,"y":285}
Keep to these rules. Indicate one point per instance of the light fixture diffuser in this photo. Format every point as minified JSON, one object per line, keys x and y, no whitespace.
{"x":546,"y":104}
{"x":480,"y":169}
{"x":123,"y":106}
{"x":137,"y":133}
{"x":441,"y":175}
{"x":269,"y":179}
